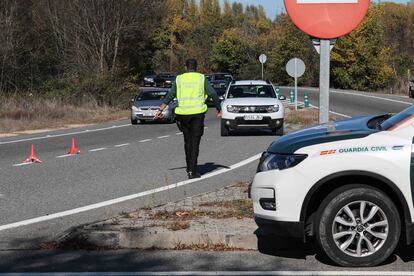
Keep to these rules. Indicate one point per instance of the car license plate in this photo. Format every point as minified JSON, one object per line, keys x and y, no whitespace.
{"x":253,"y":117}
{"x":149,"y":114}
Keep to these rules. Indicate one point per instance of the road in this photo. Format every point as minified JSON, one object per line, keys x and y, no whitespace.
{"x":41,"y":201}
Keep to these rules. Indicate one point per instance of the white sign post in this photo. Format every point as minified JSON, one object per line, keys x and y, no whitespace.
{"x":296,"y":68}
{"x":263,"y":59}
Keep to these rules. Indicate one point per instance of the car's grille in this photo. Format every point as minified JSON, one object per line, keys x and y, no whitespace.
{"x":150,"y":108}
{"x":253,"y":109}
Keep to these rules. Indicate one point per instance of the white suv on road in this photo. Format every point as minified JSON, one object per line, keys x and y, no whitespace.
{"x":350,"y":183}
{"x":251,"y":105}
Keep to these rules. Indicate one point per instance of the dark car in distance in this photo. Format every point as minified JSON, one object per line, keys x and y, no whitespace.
{"x":220,"y":82}
{"x":411,"y":89}
{"x":147,"y":77}
{"x":165,"y":79}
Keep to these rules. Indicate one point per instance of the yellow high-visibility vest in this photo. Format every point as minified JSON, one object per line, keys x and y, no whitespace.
{"x":190,"y":94}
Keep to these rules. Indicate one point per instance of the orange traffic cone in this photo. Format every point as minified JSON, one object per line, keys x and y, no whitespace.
{"x":32,"y":157}
{"x":74,"y":149}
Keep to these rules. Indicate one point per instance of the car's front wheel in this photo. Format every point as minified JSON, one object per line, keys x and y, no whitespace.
{"x":278,"y":131}
{"x":358,"y":226}
{"x":224,"y":130}
{"x":134,"y":121}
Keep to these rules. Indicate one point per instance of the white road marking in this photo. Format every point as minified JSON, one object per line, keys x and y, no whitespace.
{"x":361,"y":95}
{"x":99,"y":149}
{"x":251,"y":273}
{"x":23,"y":164}
{"x":162,"y":137}
{"x":370,"y":96}
{"x":126,"y":198}
{"x":205,"y":127}
{"x":61,"y":135}
{"x":64,"y":156}
{"x":330,"y":111}
{"x":122,"y":145}
{"x":179,"y":133}
{"x":146,"y":140}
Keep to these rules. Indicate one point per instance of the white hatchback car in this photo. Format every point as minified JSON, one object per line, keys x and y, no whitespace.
{"x":349,"y":183}
{"x":251,"y":105}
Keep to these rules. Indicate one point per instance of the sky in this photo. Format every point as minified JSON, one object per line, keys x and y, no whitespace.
{"x":274,"y":7}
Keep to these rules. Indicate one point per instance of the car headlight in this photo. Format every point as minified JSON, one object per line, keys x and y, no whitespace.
{"x":273,"y":161}
{"x":149,"y":79}
{"x":134,"y":108}
{"x":273,"y":108}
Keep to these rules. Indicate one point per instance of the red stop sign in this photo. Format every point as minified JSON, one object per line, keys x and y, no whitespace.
{"x":327,"y":18}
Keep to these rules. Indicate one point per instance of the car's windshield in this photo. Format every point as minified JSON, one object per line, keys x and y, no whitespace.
{"x":220,"y":77}
{"x":251,"y":91}
{"x":398,"y":119}
{"x":148,"y":73}
{"x":166,"y":75}
{"x":152,"y":95}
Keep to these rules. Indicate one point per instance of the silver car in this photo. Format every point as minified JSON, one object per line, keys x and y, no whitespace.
{"x":147,"y":103}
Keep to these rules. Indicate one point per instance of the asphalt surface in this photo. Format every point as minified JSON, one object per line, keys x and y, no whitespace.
{"x":119,"y":160}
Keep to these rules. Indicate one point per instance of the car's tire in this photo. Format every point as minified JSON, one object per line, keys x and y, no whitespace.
{"x":224,"y":130}
{"x":134,"y":121}
{"x":279,"y":131}
{"x":172,"y":119}
{"x":350,"y":239}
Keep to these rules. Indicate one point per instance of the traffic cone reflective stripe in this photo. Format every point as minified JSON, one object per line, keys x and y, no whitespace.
{"x":32,"y":157}
{"x":74,"y":149}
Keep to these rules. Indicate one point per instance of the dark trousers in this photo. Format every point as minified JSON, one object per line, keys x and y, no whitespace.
{"x":192,"y":127}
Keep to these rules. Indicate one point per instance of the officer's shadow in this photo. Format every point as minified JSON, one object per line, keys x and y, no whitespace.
{"x":205,"y":168}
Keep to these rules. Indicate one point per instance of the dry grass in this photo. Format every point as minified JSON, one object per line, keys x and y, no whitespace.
{"x":305,"y":117}
{"x":241,"y":208}
{"x":31,"y":113}
{"x":207,"y":247}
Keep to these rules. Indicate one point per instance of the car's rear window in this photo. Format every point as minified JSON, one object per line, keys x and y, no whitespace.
{"x":251,"y":91}
{"x":152,"y":95}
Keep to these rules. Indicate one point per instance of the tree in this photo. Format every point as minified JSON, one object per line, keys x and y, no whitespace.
{"x":360,"y":60}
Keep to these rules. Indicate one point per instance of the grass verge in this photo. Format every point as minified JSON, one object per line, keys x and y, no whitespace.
{"x":18,"y":114}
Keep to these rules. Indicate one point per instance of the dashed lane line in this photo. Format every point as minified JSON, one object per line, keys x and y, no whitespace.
{"x":63,"y":134}
{"x":179,"y":133}
{"x":23,"y":164}
{"x":122,"y":145}
{"x":146,"y":140}
{"x":99,"y":149}
{"x":64,"y":156}
{"x":128,"y":197}
{"x":163,"y":137}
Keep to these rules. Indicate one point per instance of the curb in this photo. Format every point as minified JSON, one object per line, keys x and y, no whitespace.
{"x":144,"y":238}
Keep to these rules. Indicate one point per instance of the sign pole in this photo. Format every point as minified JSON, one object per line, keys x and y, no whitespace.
{"x":324,"y":81}
{"x":296,"y":84}
{"x":262,"y":72}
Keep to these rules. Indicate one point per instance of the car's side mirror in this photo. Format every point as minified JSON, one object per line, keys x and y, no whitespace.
{"x":282,"y":98}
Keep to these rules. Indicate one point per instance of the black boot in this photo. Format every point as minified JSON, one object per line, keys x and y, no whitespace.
{"x":192,"y":175}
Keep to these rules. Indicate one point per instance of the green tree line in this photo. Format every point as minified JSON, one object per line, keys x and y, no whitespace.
{"x":98,"y":48}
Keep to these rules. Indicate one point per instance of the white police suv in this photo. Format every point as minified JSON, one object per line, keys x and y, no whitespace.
{"x":251,"y":105}
{"x":350,"y":183}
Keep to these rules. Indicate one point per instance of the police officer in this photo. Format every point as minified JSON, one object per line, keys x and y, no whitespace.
{"x":191,"y":90}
